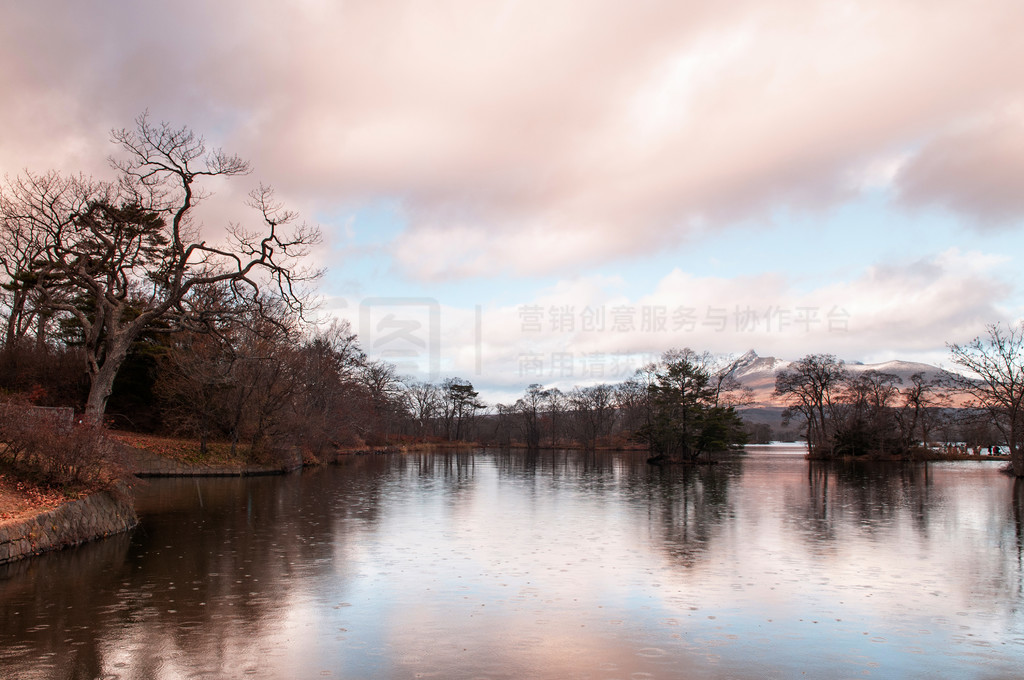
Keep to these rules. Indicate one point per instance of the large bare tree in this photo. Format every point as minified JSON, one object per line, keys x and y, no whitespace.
{"x":994,"y":378}
{"x":124,"y":256}
{"x":811,"y":388}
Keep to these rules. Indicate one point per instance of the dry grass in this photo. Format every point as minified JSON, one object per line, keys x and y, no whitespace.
{"x":183,"y":450}
{"x":20,"y":498}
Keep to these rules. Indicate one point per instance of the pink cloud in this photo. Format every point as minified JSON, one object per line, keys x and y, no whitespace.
{"x":975,"y":171}
{"x":541,"y":133}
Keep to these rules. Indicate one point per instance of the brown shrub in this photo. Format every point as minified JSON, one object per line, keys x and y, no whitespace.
{"x":44,"y":445}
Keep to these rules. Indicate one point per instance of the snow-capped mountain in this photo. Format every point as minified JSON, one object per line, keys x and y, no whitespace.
{"x":758,"y":373}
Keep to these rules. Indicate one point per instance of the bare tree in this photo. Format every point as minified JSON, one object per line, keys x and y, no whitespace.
{"x":194,"y":385}
{"x":20,"y":245}
{"x":385,"y":401}
{"x":867,"y":414}
{"x":633,"y":400}
{"x":591,"y":413}
{"x":424,"y":401}
{"x":994,"y":379}
{"x":121,"y":257}
{"x":916,"y":417}
{"x":811,"y":387}
{"x":529,"y":411}
{"x":555,"y":404}
{"x":459,"y":406}
{"x":328,"y":363}
{"x":504,"y":421}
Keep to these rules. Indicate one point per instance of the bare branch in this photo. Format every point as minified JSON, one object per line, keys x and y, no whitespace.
{"x":122,"y":257}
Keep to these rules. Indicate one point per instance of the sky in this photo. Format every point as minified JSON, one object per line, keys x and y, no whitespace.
{"x":557,"y":191}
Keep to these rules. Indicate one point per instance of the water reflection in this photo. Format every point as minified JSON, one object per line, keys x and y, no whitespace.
{"x":50,"y":623}
{"x":545,"y":564}
{"x":1017,"y":542}
{"x":870,"y":494}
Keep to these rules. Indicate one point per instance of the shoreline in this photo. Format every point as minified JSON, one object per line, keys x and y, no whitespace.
{"x":67,"y":522}
{"x":77,"y":521}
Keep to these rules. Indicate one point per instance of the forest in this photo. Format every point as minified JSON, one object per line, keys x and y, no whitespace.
{"x":117,"y":313}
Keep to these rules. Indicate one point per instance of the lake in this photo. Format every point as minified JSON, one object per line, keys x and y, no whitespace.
{"x":551,"y":565}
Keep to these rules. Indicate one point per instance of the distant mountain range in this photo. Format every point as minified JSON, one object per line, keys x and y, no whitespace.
{"x":758,"y":373}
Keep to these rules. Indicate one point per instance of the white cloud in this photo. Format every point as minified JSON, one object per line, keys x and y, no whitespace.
{"x":587,"y":330}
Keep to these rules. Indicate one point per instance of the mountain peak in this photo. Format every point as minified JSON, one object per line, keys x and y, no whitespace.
{"x":749,"y":357}
{"x":759,"y":373}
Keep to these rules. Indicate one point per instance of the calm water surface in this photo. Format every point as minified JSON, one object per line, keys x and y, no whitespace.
{"x":556,"y":565}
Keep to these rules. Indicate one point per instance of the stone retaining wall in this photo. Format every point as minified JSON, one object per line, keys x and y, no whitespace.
{"x":95,"y":516}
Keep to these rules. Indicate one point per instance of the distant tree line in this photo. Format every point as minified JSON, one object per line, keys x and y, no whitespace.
{"x":980,"y":406}
{"x":679,"y":408}
{"x":846,"y":414}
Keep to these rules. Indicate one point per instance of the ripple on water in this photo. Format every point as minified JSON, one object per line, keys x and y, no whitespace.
{"x":651,"y":652}
{"x":554,"y":550}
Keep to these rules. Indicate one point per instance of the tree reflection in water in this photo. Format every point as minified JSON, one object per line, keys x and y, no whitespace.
{"x":539,"y":564}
